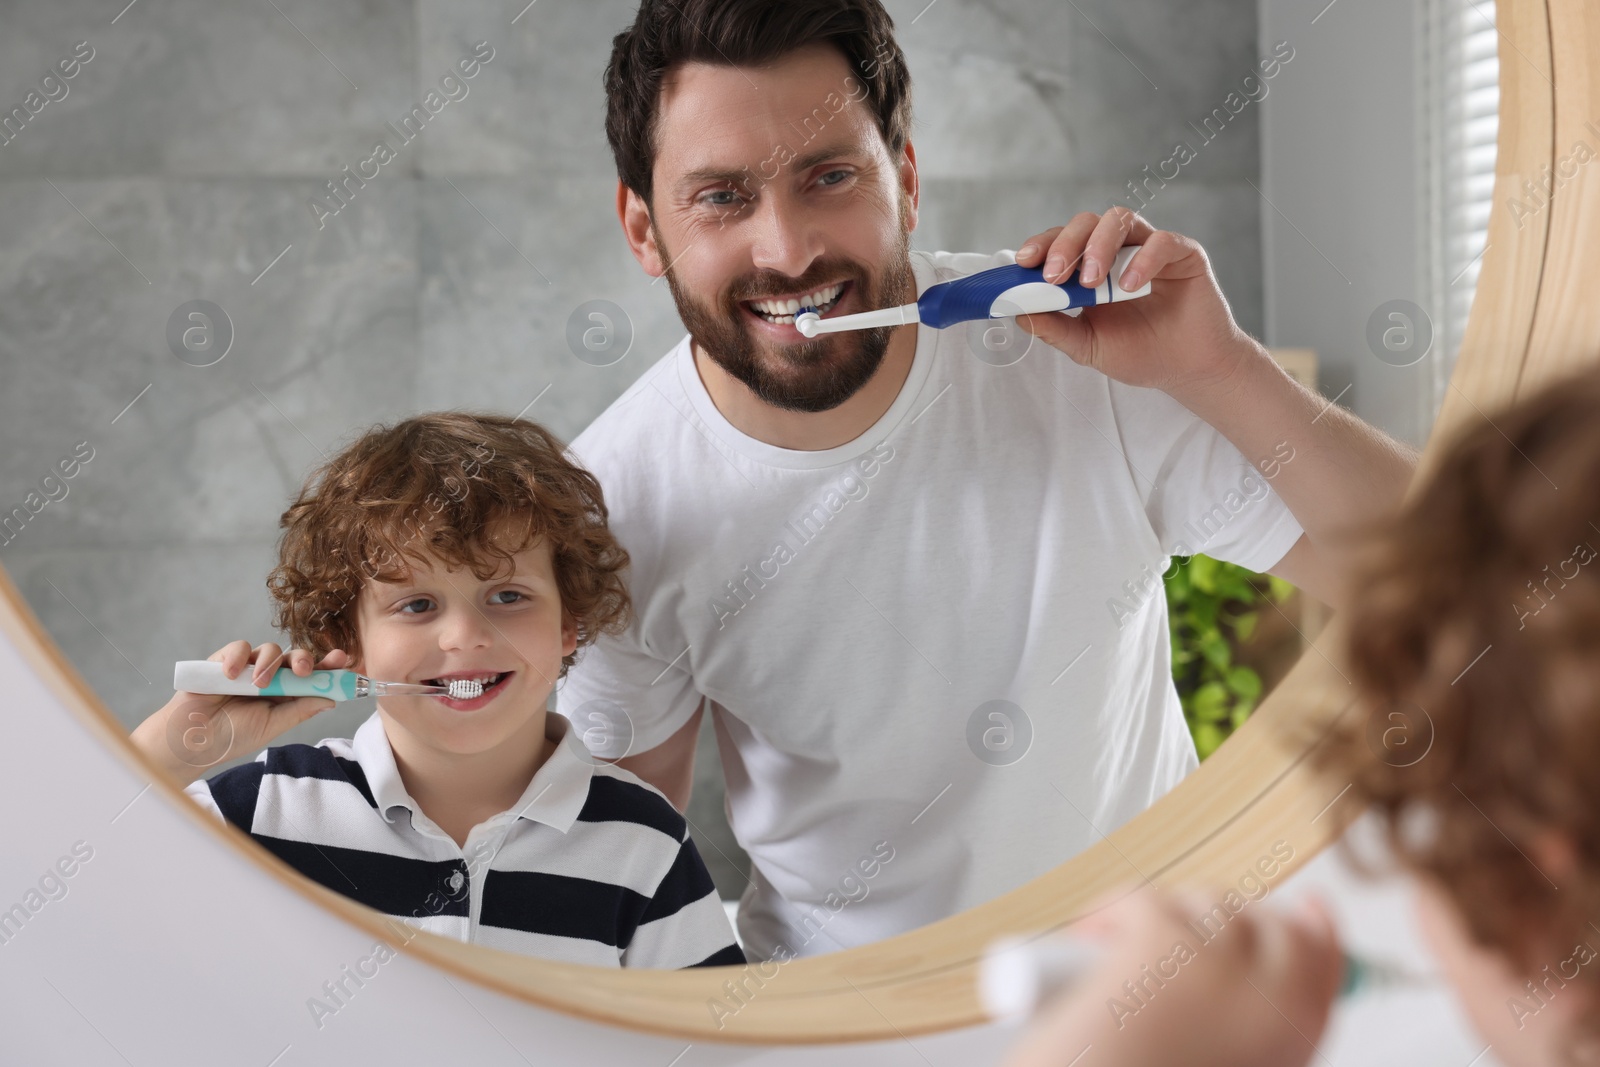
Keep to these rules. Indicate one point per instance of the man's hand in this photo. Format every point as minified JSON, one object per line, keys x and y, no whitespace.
{"x":1181,"y":334}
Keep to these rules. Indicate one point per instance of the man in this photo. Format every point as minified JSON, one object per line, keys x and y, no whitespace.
{"x":919,"y":589}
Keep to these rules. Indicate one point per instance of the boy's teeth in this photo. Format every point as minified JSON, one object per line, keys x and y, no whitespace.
{"x":486,"y":679}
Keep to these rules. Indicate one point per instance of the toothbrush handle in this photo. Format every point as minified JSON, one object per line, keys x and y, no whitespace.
{"x":207,"y":676}
{"x":1017,"y":975}
{"x":1015,"y":290}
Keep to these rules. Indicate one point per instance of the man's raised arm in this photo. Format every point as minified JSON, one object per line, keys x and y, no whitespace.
{"x":1182,"y":340}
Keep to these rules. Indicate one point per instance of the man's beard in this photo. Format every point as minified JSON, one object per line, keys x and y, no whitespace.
{"x":810,"y":375}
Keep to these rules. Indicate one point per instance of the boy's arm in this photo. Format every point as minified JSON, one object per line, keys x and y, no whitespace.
{"x":150,"y":738}
{"x":670,"y":765}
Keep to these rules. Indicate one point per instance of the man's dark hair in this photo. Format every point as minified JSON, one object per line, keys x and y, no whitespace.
{"x":744,"y":33}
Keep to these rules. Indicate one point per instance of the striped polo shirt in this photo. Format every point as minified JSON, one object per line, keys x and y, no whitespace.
{"x":591,"y":866}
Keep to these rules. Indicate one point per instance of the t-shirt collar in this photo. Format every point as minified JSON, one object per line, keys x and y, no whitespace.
{"x":554,"y":796}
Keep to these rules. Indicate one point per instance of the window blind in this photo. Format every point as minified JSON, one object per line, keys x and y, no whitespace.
{"x":1459,"y":95}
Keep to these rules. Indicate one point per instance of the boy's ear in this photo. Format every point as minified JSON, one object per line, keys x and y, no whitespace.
{"x":1553,"y":851}
{"x":569,"y":634}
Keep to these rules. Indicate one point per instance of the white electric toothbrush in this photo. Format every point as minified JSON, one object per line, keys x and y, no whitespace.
{"x":207,"y":676}
{"x":1017,"y":974}
{"x":1000,"y":292}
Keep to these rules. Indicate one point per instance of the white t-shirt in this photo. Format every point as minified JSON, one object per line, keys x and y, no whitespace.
{"x":998,"y":535}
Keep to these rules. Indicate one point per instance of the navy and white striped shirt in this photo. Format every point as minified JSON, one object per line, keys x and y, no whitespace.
{"x":591,"y":866}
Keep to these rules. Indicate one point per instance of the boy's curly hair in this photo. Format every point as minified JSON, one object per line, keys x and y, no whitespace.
{"x":447,"y":485}
{"x":1478,"y":626}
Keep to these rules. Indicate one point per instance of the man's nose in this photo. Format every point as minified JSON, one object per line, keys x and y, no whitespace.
{"x":788,"y":240}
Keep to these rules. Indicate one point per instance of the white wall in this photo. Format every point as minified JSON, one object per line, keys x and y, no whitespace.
{"x":1338,"y":165}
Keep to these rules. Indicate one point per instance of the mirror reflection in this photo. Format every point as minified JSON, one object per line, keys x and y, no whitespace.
{"x":506,"y":359}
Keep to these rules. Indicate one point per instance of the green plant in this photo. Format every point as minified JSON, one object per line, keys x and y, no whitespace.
{"x":1212,"y":607}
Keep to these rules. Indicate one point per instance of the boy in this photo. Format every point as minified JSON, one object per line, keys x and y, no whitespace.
{"x":452,"y":546}
{"x":1480,"y":608}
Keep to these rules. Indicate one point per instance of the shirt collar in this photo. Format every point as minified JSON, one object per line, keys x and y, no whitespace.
{"x":554,"y":796}
{"x":559,"y":788}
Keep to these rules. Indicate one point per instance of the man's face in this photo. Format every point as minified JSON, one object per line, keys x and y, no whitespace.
{"x":774,"y":183}
{"x":445,"y":623}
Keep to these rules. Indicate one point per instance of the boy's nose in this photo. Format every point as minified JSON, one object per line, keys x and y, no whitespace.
{"x":465,"y":628}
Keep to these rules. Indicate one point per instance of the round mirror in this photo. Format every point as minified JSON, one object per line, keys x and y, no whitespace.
{"x":269,"y":319}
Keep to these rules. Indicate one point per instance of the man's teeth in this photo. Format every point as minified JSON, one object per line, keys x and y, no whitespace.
{"x":785,"y":310}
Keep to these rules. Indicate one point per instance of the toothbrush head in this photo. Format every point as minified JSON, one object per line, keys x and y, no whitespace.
{"x":806,"y":321}
{"x":465,"y":689}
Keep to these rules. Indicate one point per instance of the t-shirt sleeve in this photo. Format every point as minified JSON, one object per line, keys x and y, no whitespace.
{"x":231,"y":795}
{"x":622,"y":699}
{"x":200,"y":792}
{"x":1200,"y":494}
{"x":684,"y":925}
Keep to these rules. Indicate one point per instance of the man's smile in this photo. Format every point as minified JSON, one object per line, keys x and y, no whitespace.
{"x":780,"y":311}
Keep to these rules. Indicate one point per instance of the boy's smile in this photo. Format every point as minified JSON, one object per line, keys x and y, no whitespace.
{"x":492,"y":681}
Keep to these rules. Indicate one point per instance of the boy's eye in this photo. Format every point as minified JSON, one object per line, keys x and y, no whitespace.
{"x":427,"y":602}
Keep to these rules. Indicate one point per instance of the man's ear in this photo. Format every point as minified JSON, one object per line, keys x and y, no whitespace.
{"x":634,"y":214}
{"x":910,"y":183}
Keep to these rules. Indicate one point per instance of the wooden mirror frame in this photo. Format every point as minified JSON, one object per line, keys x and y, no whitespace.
{"x":1534,"y":317}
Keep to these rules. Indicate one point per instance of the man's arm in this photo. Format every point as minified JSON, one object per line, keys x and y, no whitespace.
{"x":670,"y":765}
{"x":1182,"y":340}
{"x":1344,"y":474}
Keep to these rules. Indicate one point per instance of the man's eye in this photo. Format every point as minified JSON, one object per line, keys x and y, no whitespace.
{"x":842,"y":173}
{"x":407,"y":604}
{"x":722,"y":203}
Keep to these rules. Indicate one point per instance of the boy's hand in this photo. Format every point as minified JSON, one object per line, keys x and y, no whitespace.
{"x":195,"y":731}
{"x":1257,"y":994}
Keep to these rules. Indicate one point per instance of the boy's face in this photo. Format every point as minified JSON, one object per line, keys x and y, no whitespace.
{"x":1488,"y":987}
{"x":445,"y":623}
{"x":775,"y":182}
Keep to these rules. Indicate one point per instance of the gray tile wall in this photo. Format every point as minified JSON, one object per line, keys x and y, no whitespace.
{"x":180,"y":165}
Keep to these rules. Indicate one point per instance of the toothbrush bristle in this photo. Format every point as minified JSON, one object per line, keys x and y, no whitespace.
{"x":465,"y":689}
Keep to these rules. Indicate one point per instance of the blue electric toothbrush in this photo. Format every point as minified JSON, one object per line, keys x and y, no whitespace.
{"x":207,"y":676}
{"x":996,"y":293}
